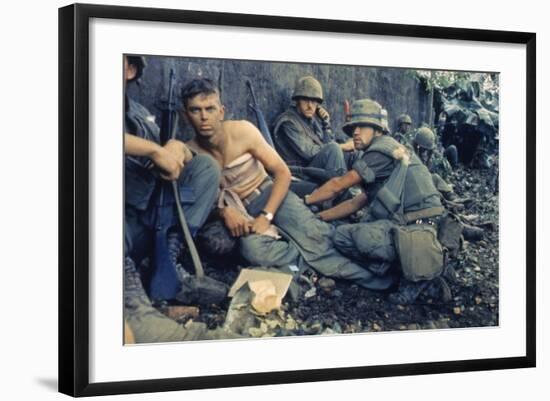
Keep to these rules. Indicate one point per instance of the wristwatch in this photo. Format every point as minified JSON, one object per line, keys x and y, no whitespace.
{"x":268,"y":216}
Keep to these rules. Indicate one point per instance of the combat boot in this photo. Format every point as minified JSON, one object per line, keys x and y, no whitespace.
{"x":149,"y":325}
{"x":472,"y":233}
{"x":408,"y":292}
{"x":439,"y":290}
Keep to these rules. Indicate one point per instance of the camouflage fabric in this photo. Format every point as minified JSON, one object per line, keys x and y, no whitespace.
{"x":308,"y":87}
{"x":365,"y":112}
{"x":425,"y":138}
{"x":403,"y":139}
{"x":440,"y":165}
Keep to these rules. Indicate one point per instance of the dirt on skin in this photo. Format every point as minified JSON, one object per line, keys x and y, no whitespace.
{"x":326,"y":306}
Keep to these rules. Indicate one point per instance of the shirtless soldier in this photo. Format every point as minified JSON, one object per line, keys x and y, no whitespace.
{"x":259,"y":209}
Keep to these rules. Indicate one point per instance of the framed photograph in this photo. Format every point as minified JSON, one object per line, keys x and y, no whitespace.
{"x":277,"y":199}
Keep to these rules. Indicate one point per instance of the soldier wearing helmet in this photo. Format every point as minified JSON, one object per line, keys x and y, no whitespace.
{"x":424,"y":145}
{"x":404,"y":129}
{"x":397,"y":190}
{"x":302,"y":134}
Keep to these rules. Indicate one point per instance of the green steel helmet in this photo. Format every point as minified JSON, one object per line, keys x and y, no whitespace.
{"x":140,"y":63}
{"x":385,"y":123}
{"x":425,"y":138}
{"x":365,"y":112}
{"x":308,"y":87}
{"x":404,"y":119}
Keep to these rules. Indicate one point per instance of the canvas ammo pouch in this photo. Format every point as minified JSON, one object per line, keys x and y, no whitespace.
{"x":388,"y":203}
{"x":419,"y":251}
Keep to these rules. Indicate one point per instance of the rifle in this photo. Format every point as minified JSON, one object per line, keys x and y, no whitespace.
{"x":315,"y":174}
{"x":262,"y":125}
{"x":164,"y":282}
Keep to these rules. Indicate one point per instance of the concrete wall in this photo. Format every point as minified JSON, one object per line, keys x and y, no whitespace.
{"x":394,"y":88}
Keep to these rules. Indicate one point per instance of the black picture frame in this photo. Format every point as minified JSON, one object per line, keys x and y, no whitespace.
{"x":74,"y":198}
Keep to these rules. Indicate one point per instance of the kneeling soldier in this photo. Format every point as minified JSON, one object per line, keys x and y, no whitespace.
{"x":404,"y":207}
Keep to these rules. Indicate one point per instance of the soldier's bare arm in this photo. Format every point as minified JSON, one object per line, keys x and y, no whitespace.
{"x":345,"y":208}
{"x":277,"y":168}
{"x":235,"y":222}
{"x":169,"y":158}
{"x":333,"y":187}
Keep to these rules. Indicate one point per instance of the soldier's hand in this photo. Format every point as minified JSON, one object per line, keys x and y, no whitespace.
{"x":235,"y":222}
{"x":169,"y":161}
{"x":348,"y":146}
{"x":177,"y":149}
{"x":260,"y":224}
{"x":323,"y":113}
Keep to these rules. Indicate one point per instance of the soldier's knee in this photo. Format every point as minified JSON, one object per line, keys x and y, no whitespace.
{"x":451,"y":153}
{"x":334,"y":149}
{"x":341,"y":237}
{"x":207,"y":166}
{"x":251,"y":249}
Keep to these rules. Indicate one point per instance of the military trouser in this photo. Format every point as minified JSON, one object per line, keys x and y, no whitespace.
{"x":441,"y":185}
{"x":307,"y":243}
{"x":147,"y":324}
{"x":202,"y":175}
{"x":331,"y":158}
{"x":372,"y":241}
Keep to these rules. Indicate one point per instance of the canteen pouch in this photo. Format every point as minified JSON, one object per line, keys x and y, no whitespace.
{"x":419,"y":251}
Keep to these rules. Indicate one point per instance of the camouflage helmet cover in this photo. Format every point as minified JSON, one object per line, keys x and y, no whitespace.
{"x":308,"y":87}
{"x":425,"y":138}
{"x":365,"y":112}
{"x":404,"y":119}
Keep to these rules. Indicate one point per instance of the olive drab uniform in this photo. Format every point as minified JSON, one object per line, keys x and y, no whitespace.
{"x":308,"y":142}
{"x":307,"y":243}
{"x":404,"y":138}
{"x":372,"y":239}
{"x":198,"y":184}
{"x":439,"y":166}
{"x":198,"y":189}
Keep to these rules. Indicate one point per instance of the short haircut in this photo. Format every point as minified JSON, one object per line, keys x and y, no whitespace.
{"x":198,"y":86}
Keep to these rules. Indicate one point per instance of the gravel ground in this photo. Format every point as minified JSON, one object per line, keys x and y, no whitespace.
{"x":340,"y":307}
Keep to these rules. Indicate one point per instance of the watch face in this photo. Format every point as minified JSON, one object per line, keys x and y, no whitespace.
{"x":267,"y":215}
